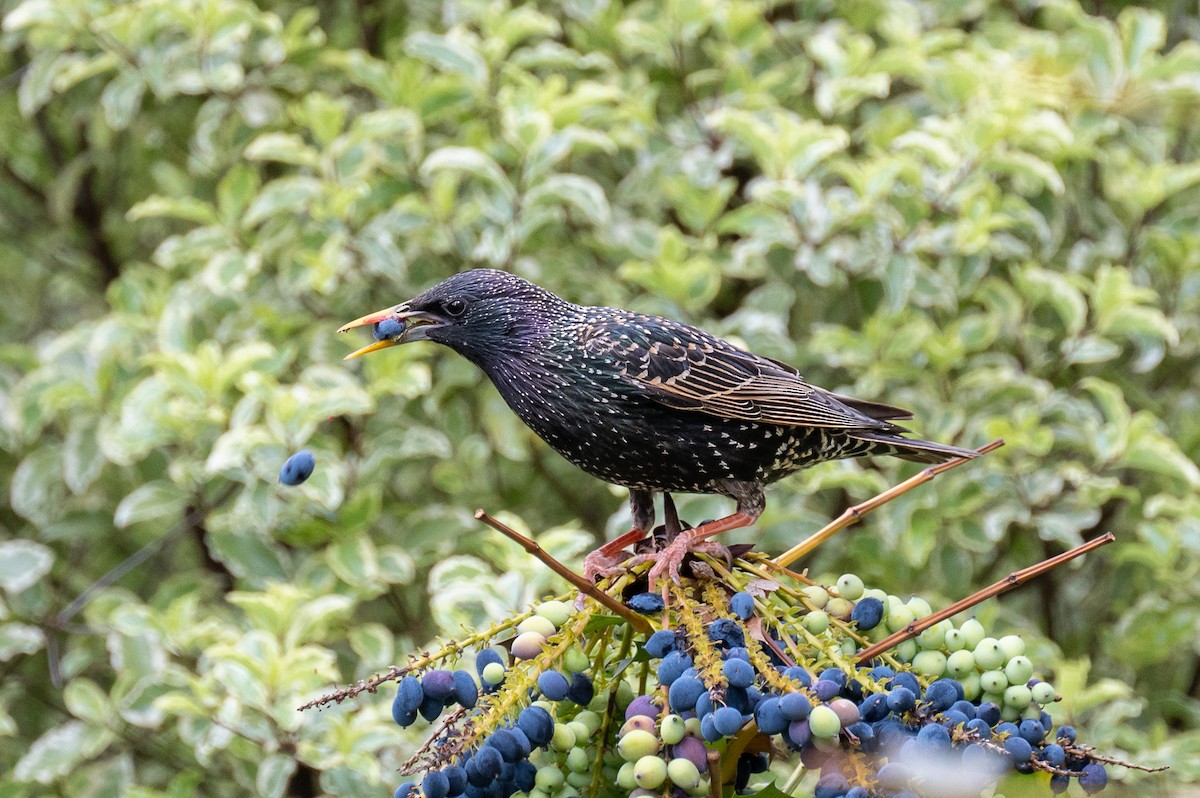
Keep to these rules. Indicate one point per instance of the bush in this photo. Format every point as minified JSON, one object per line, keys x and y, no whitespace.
{"x":986,"y":212}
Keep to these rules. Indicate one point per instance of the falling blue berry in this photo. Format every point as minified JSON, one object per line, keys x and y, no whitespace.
{"x":298,"y":468}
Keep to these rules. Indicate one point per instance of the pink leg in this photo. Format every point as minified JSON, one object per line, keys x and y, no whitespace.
{"x":669,"y":559}
{"x":602,"y":561}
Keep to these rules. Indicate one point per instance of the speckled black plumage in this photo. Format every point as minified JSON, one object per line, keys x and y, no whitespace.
{"x":649,"y":403}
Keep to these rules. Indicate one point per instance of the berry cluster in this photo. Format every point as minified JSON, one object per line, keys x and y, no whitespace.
{"x":749,"y":665}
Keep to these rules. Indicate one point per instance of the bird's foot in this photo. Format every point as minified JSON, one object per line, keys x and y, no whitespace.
{"x":668,"y":562}
{"x":600,"y":565}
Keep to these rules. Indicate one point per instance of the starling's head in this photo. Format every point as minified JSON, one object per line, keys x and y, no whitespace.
{"x":477,"y":312}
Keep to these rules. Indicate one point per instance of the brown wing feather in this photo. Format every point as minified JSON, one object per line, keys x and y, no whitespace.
{"x":687,"y":369}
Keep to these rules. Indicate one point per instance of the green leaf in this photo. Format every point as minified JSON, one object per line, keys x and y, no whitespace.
{"x":354,"y":562}
{"x":451,"y":53}
{"x":285,"y":195}
{"x":37,"y":491}
{"x":86,"y":701}
{"x":471,"y":161}
{"x":19,"y":638}
{"x":82,"y":458}
{"x":23,"y":563}
{"x":155,"y":499}
{"x":273,"y":774}
{"x":284,"y":148}
{"x":189,"y":209}
{"x":59,"y":750}
{"x":122,"y":98}
{"x":581,"y":192}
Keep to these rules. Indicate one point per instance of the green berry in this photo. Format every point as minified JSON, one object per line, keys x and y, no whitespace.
{"x":960,"y":663}
{"x":993,"y":682}
{"x":549,"y":778}
{"x":625,"y":778}
{"x":840,"y":608}
{"x":817,"y":596}
{"x":536,"y":623}
{"x":1013,"y":646}
{"x":672,"y":729}
{"x":988,"y":654}
{"x":575,"y":661}
{"x":579,"y":779}
{"x":528,"y":645}
{"x":578,"y":760}
{"x":824,"y":722}
{"x":557,"y":612}
{"x":1018,"y":670}
{"x":636,"y":745}
{"x":850,"y":587}
{"x":816,"y":621}
{"x":920,"y":607}
{"x":899,"y":616}
{"x":1017,"y":696}
{"x":589,"y":719}
{"x":930,"y":663}
{"x":650,"y":772}
{"x":955,"y":640}
{"x":683,"y":773}
{"x":563,"y":739}
{"x":493,"y":673}
{"x":973,"y":630}
{"x":1044,"y":693}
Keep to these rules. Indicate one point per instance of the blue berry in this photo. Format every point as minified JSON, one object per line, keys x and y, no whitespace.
{"x":403,"y":717}
{"x":965,"y":707}
{"x":646,"y":603}
{"x":404,"y":790}
{"x":768,"y":716}
{"x":794,"y":706}
{"x":826,"y":690}
{"x":1059,"y":783}
{"x":672,"y":667}
{"x":438,"y":684}
{"x":387,"y":329}
{"x":739,"y":672}
{"x":941,"y":694}
{"x":980,"y":728}
{"x":835,"y":675}
{"x":504,"y":742}
{"x":867,"y":613}
{"x":431,"y":708}
{"x":708,"y":728}
{"x":537,"y":725}
{"x":488,"y":762}
{"x":723,"y":630}
{"x":465,"y":691}
{"x":901,"y":699}
{"x":410,"y":695}
{"x":874,"y":707}
{"x":524,"y":775}
{"x":831,"y":785}
{"x":800,"y":675}
{"x":727,"y":721}
{"x":297,"y":468}
{"x":581,"y":690}
{"x":933,"y":737}
{"x":907,"y":680}
{"x":457,"y":777}
{"x":1032,"y":731}
{"x":988,"y":712}
{"x":659,"y":643}
{"x":742,"y":605}
{"x":1053,"y":754}
{"x":684,"y":692}
{"x":1066,"y":733}
{"x":485,"y":658}
{"x":553,"y":685}
{"x":1094,"y":778}
{"x":435,"y":784}
{"x":1019,"y":749}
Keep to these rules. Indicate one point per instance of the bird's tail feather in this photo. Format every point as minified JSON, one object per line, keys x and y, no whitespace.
{"x":914,"y":449}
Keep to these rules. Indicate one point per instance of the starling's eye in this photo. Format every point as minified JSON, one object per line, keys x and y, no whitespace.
{"x":455,"y":307}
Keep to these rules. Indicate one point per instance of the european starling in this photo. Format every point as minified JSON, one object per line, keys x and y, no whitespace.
{"x":645,"y":402}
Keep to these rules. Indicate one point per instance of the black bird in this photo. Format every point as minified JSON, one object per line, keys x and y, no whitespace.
{"x":645,"y":402}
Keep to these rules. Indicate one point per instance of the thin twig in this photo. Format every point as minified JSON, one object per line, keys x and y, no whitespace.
{"x":855,"y":514}
{"x":1015,"y":579}
{"x":1090,"y":753}
{"x":583,"y":585}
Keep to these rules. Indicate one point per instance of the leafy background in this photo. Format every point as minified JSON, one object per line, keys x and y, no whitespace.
{"x":986,"y":211}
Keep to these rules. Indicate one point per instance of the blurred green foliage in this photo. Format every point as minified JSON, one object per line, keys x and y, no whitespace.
{"x":987,"y":212}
